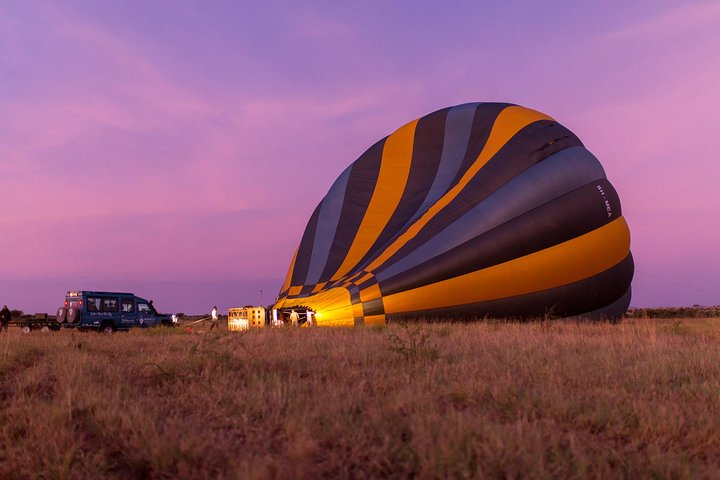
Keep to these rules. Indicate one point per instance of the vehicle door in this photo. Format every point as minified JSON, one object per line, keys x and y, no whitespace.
{"x":146,"y":315}
{"x":128,"y":313}
{"x":111,"y":311}
{"x":92,"y":311}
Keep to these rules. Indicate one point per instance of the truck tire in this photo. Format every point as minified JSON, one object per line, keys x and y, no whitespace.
{"x":73,"y":315}
{"x":61,"y":314}
{"x":25,"y":329}
{"x":107,"y":329}
{"x":44,"y":329}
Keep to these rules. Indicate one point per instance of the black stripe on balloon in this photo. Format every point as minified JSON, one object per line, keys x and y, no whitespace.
{"x":613,"y":310}
{"x":426,"y":153}
{"x":302,"y":261}
{"x":587,"y":295}
{"x":359,"y":191}
{"x":552,"y":223}
{"x":373,"y":307}
{"x":531,"y":145}
{"x":485,"y":116}
{"x":354,"y":294}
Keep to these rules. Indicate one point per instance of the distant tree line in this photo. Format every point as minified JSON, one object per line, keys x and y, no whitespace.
{"x":696,"y":311}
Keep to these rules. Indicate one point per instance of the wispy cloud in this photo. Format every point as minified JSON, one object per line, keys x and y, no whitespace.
{"x":685,"y":18}
{"x":152,"y":245}
{"x":101,"y":79}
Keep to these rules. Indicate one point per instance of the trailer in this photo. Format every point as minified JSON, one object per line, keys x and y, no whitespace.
{"x":40,"y":321}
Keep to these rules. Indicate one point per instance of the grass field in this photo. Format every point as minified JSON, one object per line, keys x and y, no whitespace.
{"x":497,"y":400}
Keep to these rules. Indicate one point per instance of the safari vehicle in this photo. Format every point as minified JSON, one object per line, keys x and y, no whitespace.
{"x":108,"y":312}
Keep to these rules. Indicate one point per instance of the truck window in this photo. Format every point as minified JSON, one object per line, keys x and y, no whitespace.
{"x":143,"y":308}
{"x":93,"y":304}
{"x":127,"y":305}
{"x":109,"y":304}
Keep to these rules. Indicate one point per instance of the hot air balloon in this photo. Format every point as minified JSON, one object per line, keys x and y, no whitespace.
{"x":473,"y":211}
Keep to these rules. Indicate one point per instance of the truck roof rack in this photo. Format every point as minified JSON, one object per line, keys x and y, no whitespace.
{"x":77,"y":293}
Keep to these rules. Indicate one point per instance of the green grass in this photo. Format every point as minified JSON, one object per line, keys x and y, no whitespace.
{"x":492,"y":399}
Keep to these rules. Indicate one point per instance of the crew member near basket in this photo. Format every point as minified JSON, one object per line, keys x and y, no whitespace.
{"x":214,"y":315}
{"x":294,"y":318}
{"x":4,"y":318}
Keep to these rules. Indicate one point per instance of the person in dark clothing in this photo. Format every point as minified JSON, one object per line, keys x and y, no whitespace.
{"x":4,"y":318}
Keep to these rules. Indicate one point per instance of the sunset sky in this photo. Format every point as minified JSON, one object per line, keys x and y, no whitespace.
{"x":177,"y":149}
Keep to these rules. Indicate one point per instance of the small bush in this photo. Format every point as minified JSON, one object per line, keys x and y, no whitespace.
{"x":412,"y":342}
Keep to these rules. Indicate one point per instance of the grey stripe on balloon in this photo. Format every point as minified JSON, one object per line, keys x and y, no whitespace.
{"x":557,"y":175}
{"x":457,"y":134}
{"x":327,"y":225}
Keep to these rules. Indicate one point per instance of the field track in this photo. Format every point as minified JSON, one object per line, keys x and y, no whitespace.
{"x":489,"y":400}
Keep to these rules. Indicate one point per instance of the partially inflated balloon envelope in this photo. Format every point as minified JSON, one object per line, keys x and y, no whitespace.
{"x":478,"y":210}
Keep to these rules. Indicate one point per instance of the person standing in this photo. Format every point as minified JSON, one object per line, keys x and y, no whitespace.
{"x":4,"y":318}
{"x":214,"y":315}
{"x":294,"y":317}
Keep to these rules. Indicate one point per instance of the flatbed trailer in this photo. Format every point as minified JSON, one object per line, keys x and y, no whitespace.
{"x":39,"y":321}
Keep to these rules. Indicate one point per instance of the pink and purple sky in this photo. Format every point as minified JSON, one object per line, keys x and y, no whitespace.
{"x":177,"y":149}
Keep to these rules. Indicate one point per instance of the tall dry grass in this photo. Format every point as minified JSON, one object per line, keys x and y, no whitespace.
{"x":496,"y":400}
